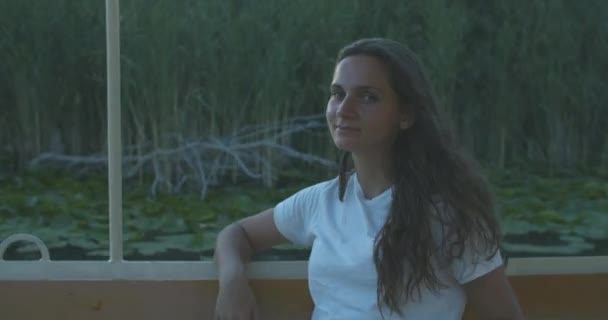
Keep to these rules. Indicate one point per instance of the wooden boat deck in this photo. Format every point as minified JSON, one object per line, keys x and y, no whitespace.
{"x":543,"y":297}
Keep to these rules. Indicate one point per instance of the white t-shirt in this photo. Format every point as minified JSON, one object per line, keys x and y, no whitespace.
{"x":341,"y":272}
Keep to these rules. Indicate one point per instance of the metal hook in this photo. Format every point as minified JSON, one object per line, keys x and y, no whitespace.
{"x":44,"y":250}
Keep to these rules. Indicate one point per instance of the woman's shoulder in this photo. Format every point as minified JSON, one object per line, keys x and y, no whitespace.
{"x":323,"y":186}
{"x":315,"y":192}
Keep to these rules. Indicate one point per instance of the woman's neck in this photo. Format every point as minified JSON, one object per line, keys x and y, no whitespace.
{"x":374,"y":175}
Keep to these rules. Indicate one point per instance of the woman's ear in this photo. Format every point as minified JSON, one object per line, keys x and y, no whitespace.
{"x":404,"y":125}
{"x":406,"y":122}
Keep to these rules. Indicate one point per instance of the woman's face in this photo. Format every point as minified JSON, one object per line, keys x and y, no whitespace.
{"x":363,"y":111}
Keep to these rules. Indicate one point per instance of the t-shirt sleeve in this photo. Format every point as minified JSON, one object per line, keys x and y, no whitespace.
{"x":473,"y":265}
{"x":295,"y":216}
{"x":475,"y":261}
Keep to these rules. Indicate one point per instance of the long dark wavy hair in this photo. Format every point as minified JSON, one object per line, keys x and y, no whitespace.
{"x":436,"y":185}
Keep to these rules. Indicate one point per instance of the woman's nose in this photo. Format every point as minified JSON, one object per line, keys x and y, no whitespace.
{"x":347,"y":106}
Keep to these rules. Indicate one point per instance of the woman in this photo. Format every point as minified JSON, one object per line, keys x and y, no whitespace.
{"x":410,"y":233}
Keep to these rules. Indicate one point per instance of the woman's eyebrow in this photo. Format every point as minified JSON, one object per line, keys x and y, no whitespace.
{"x":361,"y":87}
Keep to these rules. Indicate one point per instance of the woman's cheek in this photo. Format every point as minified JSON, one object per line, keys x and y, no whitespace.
{"x":330,"y":113}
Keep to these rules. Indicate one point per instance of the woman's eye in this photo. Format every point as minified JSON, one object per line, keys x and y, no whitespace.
{"x":369,"y":98}
{"x":337,"y":95}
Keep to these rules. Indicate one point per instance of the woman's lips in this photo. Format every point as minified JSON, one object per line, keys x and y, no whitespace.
{"x":347,"y":129}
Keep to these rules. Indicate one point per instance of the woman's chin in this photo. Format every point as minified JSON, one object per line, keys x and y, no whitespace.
{"x":345,"y":146}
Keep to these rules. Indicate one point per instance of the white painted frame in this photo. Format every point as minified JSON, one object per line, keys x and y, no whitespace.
{"x":118,"y":269}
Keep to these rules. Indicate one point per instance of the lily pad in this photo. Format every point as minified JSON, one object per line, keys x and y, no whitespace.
{"x":569,"y":249}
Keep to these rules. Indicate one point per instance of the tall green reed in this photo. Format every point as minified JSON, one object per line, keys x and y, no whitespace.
{"x":523,"y":82}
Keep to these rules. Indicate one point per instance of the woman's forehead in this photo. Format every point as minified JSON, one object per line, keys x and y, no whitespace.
{"x":360,"y":71}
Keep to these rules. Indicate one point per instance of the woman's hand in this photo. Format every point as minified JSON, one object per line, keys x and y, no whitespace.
{"x":236,"y":301}
{"x":235,"y":245}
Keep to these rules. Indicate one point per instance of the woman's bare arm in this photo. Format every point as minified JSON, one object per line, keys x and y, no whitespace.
{"x":237,"y":242}
{"x":492,"y":298}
